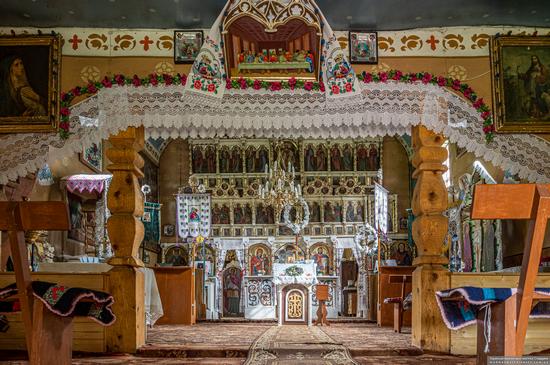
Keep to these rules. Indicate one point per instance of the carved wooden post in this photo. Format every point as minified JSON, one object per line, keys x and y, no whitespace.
{"x":429,"y":230}
{"x":125,"y":201}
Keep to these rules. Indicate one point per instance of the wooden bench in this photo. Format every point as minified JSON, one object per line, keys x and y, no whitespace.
{"x":398,"y":302}
{"x":48,"y":336}
{"x":509,"y":319}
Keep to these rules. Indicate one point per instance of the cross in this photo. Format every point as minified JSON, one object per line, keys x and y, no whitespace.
{"x":146,"y":42}
{"x":432,"y":42}
{"x":75,"y":41}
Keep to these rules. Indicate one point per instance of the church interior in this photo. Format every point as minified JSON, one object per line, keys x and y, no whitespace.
{"x":274,"y":182}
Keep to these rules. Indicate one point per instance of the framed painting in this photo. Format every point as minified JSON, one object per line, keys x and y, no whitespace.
{"x":363,"y":47}
{"x":520,"y":74}
{"x":92,"y":156}
{"x":187,"y":44}
{"x":30,"y":69}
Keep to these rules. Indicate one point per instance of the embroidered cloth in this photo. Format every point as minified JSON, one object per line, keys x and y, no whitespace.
{"x":87,"y":183}
{"x":460,"y":313}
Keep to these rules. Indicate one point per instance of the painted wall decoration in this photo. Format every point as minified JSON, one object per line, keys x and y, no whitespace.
{"x":194,"y":217}
{"x":187,"y":44}
{"x":177,"y":256}
{"x":260,"y":292}
{"x":321,"y":256}
{"x":92,"y":156}
{"x":231,"y":291}
{"x":267,"y":40}
{"x":363,"y":47}
{"x":289,"y":254}
{"x":521,"y":83}
{"x":260,"y":260}
{"x":30,"y":70}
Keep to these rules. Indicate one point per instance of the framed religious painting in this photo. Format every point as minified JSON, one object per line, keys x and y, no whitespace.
{"x":363,"y":47}
{"x":187,"y":44}
{"x":92,"y":156}
{"x":30,"y":68}
{"x":520,"y":74}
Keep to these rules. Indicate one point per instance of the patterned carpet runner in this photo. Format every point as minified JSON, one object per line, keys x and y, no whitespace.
{"x":297,"y":345}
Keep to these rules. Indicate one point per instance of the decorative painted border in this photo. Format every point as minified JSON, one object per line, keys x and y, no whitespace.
{"x":427,"y":42}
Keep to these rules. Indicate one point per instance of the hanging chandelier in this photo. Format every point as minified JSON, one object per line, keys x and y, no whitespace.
{"x":279,"y":189}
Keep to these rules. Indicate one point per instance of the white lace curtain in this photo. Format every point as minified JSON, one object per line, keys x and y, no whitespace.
{"x":382,"y":109}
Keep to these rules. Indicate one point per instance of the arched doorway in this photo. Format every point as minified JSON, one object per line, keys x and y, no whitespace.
{"x":295,"y":304}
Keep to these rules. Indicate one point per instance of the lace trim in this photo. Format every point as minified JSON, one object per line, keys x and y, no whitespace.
{"x":380,"y":109}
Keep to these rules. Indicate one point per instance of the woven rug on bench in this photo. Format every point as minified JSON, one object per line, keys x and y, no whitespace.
{"x":292,"y":344}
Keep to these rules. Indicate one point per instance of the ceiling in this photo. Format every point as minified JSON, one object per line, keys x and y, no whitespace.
{"x":341,"y":14}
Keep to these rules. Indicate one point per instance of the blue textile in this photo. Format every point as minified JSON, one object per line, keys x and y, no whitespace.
{"x":460,"y":313}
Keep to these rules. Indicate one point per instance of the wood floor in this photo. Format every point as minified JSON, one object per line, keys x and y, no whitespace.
{"x":228,"y":343}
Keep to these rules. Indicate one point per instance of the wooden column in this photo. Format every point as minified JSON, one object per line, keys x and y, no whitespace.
{"x":125,"y":201}
{"x":429,"y":230}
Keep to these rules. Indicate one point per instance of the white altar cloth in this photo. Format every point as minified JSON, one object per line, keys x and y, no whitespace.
{"x":294,"y":274}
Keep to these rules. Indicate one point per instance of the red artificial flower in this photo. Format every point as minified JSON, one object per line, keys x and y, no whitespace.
{"x":198,"y":84}
{"x":397,"y":76}
{"x":275,"y":86}
{"x":292,"y":83}
{"x":153,"y":79}
{"x":228,"y":84}
{"x":349,"y":88}
{"x":367,"y":78}
{"x":119,"y":79}
{"x":64,"y":126}
{"x":92,"y":89}
{"x":485,"y":114}
{"x":183,"y":79}
{"x":64,"y":111}
{"x":335,"y":89}
{"x":106,"y":82}
{"x":211,"y":88}
{"x":383,"y":76}
{"x":441,"y":81}
{"x":136,"y":81}
{"x":63,"y":96}
{"x":426,"y":78}
{"x":468,"y":92}
{"x":478,"y":103}
{"x":243,"y":83}
{"x":167,"y":79}
{"x":308,"y":86}
{"x":257,"y":85}
{"x":76,"y":91}
{"x":456,"y":84}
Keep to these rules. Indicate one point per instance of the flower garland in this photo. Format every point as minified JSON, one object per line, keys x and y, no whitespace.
{"x":290,"y":84}
{"x":441,"y":81}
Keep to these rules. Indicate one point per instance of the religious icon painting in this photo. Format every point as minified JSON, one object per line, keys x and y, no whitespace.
{"x":193,"y":215}
{"x":30,"y":68}
{"x":520,"y":70}
{"x":363,"y":47}
{"x":92,"y":156}
{"x":187,"y":44}
{"x":168,"y":230}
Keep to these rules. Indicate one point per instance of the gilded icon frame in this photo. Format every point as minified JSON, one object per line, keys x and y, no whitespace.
{"x":521,"y":94}
{"x":37,"y":94}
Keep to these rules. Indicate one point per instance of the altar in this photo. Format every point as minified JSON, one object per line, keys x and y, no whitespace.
{"x":294,"y":285}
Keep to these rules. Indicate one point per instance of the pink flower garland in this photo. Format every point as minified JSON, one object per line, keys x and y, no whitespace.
{"x":291,"y":84}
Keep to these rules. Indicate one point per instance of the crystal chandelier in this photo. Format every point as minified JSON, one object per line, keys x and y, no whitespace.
{"x":279,"y":189}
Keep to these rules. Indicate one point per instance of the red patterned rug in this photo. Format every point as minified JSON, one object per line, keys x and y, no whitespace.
{"x":285,"y":345}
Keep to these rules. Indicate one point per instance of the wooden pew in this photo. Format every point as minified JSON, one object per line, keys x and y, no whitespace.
{"x":526,"y":202}
{"x":398,"y":306}
{"x":48,"y":336}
